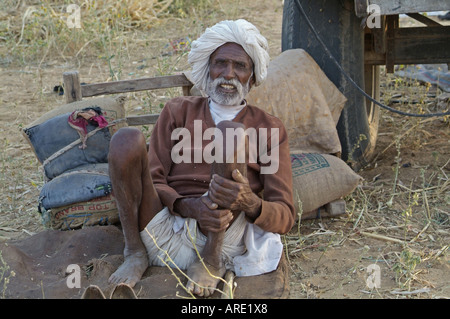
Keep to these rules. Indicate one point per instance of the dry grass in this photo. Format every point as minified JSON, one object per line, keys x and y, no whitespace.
{"x":398,"y":218}
{"x":117,"y":39}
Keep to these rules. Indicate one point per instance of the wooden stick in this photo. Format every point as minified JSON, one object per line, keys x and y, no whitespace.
{"x":414,"y":292}
{"x":421,"y":232}
{"x":72,"y":86}
{"x":123,"y":86}
{"x":381,"y":237}
{"x":212,"y":250}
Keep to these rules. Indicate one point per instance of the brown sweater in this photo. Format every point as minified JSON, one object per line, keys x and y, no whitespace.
{"x":173,"y":181}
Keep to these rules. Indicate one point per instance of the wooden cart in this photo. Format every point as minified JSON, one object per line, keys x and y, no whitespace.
{"x":360,"y":50}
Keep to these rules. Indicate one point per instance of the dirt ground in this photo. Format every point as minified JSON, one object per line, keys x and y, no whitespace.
{"x":398,"y":219}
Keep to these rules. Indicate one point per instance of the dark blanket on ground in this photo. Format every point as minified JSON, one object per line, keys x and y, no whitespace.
{"x":37,"y":267}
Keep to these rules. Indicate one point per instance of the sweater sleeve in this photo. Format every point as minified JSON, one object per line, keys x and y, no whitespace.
{"x":159,"y":155}
{"x":277,"y":210}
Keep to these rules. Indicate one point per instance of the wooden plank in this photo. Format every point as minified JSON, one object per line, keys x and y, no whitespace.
{"x":415,"y":46}
{"x":161,"y":82}
{"x":187,"y":90}
{"x":72,"y":87}
{"x":379,"y":36}
{"x":392,"y":23}
{"x":142,"y":119}
{"x":423,"y":19}
{"x":374,"y":58}
{"x":422,"y":45}
{"x":388,"y":7}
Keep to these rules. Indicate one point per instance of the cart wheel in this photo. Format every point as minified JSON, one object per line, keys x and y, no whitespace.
{"x":341,"y":31}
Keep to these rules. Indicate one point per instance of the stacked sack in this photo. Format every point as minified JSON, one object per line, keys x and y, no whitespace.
{"x":72,"y":144}
{"x":299,"y":93}
{"x":319,"y":179}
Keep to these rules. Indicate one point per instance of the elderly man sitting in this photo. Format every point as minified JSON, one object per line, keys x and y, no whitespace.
{"x":172,"y":199}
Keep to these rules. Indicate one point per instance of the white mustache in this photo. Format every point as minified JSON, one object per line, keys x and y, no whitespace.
{"x":234,"y":82}
{"x":224,"y":98}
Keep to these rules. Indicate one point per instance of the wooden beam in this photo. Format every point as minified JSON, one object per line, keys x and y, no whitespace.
{"x":161,"y":82}
{"x":409,"y":6}
{"x":392,"y":23}
{"x":72,"y":87}
{"x":142,"y":119}
{"x":419,"y":45}
{"x":187,"y":90}
{"x":423,"y":19}
{"x":379,"y":36}
{"x":424,"y":45}
{"x":374,"y":58}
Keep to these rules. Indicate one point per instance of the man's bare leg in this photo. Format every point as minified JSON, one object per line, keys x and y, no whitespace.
{"x":137,"y":200}
{"x":204,"y":281}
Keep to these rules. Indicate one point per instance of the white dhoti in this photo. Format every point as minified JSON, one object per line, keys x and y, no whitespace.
{"x":247,"y":249}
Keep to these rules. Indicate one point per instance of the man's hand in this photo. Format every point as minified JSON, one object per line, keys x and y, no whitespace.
{"x":209,"y":218}
{"x":235,"y":195}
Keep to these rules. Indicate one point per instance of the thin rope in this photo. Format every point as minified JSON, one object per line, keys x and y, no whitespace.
{"x":78,"y":141}
{"x":316,"y":34}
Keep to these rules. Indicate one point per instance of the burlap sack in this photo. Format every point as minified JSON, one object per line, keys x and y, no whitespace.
{"x":81,"y":184}
{"x":97,"y":211}
{"x":319,"y":179}
{"x":50,"y":135}
{"x":113,"y":109}
{"x":304,"y":99}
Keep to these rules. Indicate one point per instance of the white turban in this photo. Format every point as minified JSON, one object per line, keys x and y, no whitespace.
{"x":241,"y":32}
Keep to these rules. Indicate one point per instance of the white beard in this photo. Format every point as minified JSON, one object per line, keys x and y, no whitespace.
{"x":224,"y":98}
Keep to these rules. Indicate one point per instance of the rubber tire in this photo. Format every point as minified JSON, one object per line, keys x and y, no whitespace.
{"x":341,"y":31}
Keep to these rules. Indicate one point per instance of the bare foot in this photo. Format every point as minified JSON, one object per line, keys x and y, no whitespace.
{"x":131,"y":271}
{"x":202,"y":283}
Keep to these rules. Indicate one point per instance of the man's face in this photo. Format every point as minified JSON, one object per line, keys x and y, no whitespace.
{"x":230,"y":74}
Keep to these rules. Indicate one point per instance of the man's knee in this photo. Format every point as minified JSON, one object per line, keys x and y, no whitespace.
{"x":126,"y":143}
